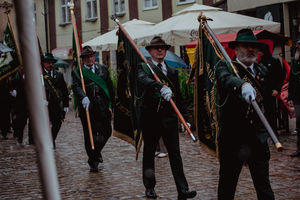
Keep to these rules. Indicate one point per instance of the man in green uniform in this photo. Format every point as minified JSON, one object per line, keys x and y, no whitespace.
{"x":98,"y":100}
{"x":57,"y":95}
{"x":242,"y":138}
{"x":159,"y":119}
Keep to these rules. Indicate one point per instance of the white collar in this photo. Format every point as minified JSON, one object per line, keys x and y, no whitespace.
{"x":163,"y":66}
{"x":251,"y":66}
{"x":92,"y":67}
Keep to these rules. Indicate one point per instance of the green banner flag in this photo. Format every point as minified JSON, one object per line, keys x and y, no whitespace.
{"x":75,"y":62}
{"x":9,"y":62}
{"x":207,"y":109}
{"x":128,"y":101}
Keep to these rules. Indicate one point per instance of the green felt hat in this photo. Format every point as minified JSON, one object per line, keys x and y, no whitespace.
{"x":246,"y":37}
{"x":48,"y":56}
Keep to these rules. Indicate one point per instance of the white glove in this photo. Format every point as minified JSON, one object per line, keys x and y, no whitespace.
{"x":66,"y":109}
{"x":46,"y":102}
{"x":166,"y":93}
{"x":85,"y":103}
{"x":248,"y":92}
{"x":13,"y":93}
{"x":183,"y":129}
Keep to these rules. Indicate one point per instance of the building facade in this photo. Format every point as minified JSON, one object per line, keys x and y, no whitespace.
{"x":287,"y":12}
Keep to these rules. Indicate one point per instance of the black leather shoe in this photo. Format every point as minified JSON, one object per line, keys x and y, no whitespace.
{"x":185,"y":194}
{"x":93,"y":166}
{"x":100,"y":159}
{"x":296,"y":154}
{"x":150,"y":193}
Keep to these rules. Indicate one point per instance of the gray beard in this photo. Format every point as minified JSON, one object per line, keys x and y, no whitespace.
{"x":247,"y":60}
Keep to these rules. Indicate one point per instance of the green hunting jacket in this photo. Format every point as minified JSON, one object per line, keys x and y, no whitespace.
{"x":239,"y":122}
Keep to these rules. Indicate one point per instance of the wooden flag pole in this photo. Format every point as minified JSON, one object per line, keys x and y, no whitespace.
{"x":187,"y":128}
{"x":71,"y":5}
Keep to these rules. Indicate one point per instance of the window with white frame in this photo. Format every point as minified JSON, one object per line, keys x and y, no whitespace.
{"x":91,"y":9}
{"x":65,"y":12}
{"x":149,"y":4}
{"x":185,"y":1}
{"x":119,"y":7}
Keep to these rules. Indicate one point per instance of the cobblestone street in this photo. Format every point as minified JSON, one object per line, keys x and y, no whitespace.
{"x":120,"y":174}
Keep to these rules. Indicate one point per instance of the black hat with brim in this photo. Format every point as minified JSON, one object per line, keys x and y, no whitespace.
{"x":157,"y":41}
{"x":87,"y":51}
{"x":247,"y":38}
{"x":48,"y":56}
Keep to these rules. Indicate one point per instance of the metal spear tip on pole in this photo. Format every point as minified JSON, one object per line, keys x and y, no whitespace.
{"x":193,"y":138}
{"x":70,"y":4}
{"x":114,"y":18}
{"x":203,"y":17}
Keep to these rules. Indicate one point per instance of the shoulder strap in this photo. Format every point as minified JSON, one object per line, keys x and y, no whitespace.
{"x":49,"y":84}
{"x":96,"y":79}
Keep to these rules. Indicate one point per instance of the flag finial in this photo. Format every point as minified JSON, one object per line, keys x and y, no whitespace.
{"x":7,"y":6}
{"x":71,"y":5}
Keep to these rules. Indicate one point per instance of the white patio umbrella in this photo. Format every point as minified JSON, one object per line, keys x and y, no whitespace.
{"x":109,"y":40}
{"x":182,"y":28}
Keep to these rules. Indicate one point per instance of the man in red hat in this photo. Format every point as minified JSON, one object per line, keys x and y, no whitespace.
{"x":98,"y":100}
{"x":243,"y":138}
{"x":159,"y":119}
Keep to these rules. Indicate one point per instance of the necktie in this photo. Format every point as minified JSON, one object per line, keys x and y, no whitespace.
{"x":159,"y":65}
{"x":250,"y":70}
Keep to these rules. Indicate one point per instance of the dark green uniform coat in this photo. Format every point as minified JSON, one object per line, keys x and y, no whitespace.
{"x":100,"y":114}
{"x":242,"y":137}
{"x":58,"y":97}
{"x":160,"y":120}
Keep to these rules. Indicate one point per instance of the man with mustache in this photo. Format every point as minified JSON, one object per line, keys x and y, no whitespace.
{"x":242,"y":139}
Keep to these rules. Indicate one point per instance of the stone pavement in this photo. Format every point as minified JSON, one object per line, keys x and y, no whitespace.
{"x":120,"y":175}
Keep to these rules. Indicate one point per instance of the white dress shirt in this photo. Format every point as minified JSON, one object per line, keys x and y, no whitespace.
{"x":163,"y":66}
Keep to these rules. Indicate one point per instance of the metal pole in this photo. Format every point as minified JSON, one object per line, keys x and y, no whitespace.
{"x":46,"y":24}
{"x":35,"y":97}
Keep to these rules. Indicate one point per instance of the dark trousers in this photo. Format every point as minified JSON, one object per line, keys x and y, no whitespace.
{"x":230,"y":169}
{"x":20,"y":122}
{"x":101,"y":133}
{"x":55,"y":116}
{"x":153,"y":129}
{"x":271,"y":113}
{"x":4,"y":118}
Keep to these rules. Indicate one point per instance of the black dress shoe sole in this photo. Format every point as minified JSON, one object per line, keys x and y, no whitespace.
{"x":151,"y":194}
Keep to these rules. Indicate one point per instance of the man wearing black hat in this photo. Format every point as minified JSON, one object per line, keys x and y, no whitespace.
{"x":242,"y":138}
{"x":159,"y":119}
{"x":294,"y":93}
{"x":98,"y":100}
{"x":56,"y":94}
